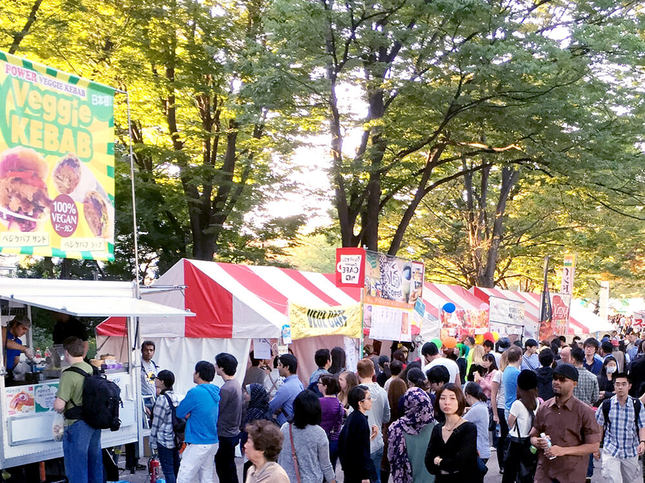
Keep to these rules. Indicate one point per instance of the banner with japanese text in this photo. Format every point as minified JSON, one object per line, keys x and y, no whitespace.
{"x":313,"y":322}
{"x":56,"y":163}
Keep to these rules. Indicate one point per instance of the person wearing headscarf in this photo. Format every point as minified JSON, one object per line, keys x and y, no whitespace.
{"x":409,"y":437}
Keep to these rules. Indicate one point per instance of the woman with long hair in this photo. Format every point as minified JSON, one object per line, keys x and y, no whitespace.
{"x":395,"y":393}
{"x":452,"y":453}
{"x":338,"y":358}
{"x":520,"y":463}
{"x":486,"y":381}
{"x":305,"y":451}
{"x":606,"y":379}
{"x":409,"y":437}
{"x":332,"y":413}
{"x":498,"y":403}
{"x":347,"y":380}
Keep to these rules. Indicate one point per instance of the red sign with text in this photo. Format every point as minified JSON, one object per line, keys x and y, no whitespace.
{"x":350,"y":267}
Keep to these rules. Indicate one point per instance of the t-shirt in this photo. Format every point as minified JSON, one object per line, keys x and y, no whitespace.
{"x":453,"y":368}
{"x":378,"y":415}
{"x":509,"y":381}
{"x":70,"y":388}
{"x":524,"y":422}
{"x":72,"y":328}
{"x":501,"y":398}
{"x":149,"y":370}
{"x":478,"y":415}
{"x":230,"y":409}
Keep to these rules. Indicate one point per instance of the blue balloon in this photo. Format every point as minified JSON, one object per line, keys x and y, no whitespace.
{"x":449,"y":307}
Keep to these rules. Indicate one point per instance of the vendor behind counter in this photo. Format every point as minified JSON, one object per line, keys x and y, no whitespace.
{"x":12,"y":342}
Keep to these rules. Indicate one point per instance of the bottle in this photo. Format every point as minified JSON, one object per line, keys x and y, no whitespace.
{"x":548,"y":440}
{"x":39,"y":354}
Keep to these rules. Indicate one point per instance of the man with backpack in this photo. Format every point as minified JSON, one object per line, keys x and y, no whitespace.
{"x":201,"y":408}
{"x":81,"y":442}
{"x":623,"y":423}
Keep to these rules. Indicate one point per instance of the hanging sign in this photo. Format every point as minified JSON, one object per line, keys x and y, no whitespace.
{"x":350,"y":267}
{"x":56,"y":163}
{"x":313,"y":322}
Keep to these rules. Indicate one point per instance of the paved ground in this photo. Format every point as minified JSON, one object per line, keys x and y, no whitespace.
{"x":493,"y":475}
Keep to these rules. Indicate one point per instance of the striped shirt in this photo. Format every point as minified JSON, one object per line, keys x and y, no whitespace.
{"x":621,"y":437}
{"x":161,"y":431}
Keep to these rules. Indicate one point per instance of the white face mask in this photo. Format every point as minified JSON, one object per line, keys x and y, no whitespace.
{"x":611,"y":369}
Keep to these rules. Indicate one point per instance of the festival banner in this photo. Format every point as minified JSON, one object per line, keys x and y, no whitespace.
{"x":568,"y":274}
{"x":313,"y":322}
{"x":56,"y":163}
{"x":462,"y":322}
{"x":506,"y":311}
{"x":560,"y":319}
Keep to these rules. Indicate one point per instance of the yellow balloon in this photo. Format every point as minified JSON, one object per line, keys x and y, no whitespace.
{"x":496,"y":336}
{"x":479,"y":339}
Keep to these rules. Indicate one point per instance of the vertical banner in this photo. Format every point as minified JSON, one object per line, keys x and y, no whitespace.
{"x":568,"y":274}
{"x":350,"y":267}
{"x":603,"y":299}
{"x":56,"y":163}
{"x":561,"y":304}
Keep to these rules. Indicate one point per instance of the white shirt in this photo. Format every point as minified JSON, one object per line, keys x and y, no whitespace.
{"x":523,"y":418}
{"x":453,"y":368}
{"x":501,"y":395}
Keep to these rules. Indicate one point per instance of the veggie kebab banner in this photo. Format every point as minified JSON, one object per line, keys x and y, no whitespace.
{"x":313,"y":322}
{"x":56,"y":163}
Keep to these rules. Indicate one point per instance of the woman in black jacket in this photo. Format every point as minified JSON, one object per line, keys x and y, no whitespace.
{"x":452,"y":452}
{"x":354,"y":439}
{"x":606,"y":379}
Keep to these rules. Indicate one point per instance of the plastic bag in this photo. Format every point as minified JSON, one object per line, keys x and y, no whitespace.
{"x":58,"y":427}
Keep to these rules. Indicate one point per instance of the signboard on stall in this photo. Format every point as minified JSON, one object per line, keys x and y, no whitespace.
{"x":350,"y":267}
{"x":56,"y":163}
{"x":462,"y":322}
{"x":313,"y":322}
{"x":506,"y":311}
{"x":393,"y":295}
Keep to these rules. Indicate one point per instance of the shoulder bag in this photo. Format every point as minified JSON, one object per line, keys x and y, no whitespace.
{"x":293,"y":453}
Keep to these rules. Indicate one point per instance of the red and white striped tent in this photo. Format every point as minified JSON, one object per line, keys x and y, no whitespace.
{"x":581,"y":321}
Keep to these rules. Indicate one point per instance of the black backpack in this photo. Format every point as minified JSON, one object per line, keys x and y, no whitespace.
{"x":101,"y":401}
{"x":606,"y":406}
{"x":178,"y":424}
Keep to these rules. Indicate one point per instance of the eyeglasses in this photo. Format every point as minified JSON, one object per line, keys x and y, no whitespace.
{"x":559,"y":378}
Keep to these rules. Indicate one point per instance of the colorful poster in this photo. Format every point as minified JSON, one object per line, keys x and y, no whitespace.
{"x":44,"y":395}
{"x":313,"y":322}
{"x":56,"y":163}
{"x":350,"y":267}
{"x":20,"y":399}
{"x":392,"y":281}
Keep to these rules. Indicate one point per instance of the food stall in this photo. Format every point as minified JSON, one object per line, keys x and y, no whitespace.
{"x":26,"y":409}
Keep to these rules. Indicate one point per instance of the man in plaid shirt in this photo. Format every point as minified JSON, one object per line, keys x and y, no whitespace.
{"x":587,"y":389}
{"x":624,"y":437}
{"x":162,"y":434}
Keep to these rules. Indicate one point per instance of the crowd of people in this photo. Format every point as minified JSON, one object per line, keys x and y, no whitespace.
{"x":548,"y":410}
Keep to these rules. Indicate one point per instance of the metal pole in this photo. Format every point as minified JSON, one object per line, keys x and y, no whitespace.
{"x":134,"y":204}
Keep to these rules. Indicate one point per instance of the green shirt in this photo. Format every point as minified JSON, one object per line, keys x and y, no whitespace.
{"x":70,"y":388}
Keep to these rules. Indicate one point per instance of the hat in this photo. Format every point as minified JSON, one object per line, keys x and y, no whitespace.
{"x":527,"y":379}
{"x":167,"y":377}
{"x":503,"y":344}
{"x":566,"y":370}
{"x":449,"y":343}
